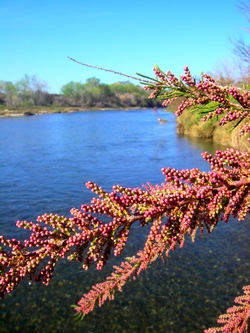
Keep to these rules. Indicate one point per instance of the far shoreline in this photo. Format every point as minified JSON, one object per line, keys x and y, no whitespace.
{"x":38,"y":111}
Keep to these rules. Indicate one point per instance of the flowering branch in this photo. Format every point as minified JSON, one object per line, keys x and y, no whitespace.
{"x":206,"y":97}
{"x":189,"y":199}
{"x":237,"y":317}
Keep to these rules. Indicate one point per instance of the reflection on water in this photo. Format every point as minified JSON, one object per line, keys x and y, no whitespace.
{"x":205,"y":144}
{"x":44,"y":164}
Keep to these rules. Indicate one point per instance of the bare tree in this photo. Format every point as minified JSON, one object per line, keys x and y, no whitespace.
{"x":241,"y":49}
{"x":225,"y":73}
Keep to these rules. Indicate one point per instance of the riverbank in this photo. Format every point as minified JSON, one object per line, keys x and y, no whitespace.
{"x":40,"y":110}
{"x":189,"y":124}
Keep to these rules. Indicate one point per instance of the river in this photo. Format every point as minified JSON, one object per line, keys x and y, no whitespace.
{"x":45,"y":162}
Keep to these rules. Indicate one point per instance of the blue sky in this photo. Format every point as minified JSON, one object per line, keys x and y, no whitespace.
{"x":128,"y":36}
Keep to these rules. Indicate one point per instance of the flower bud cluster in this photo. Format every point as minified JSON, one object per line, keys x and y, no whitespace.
{"x":184,"y":105}
{"x":214,"y":99}
{"x":237,"y":161}
{"x":166,"y":102}
{"x":155,"y":232}
{"x":233,"y":115}
{"x":159,"y":74}
{"x":155,"y":93}
{"x":187,"y":77}
{"x":244,"y":129}
{"x":242,"y":98}
{"x":208,"y":78}
{"x":213,"y":91}
{"x":172,"y":79}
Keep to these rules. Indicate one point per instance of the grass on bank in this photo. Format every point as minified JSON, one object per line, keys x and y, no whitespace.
{"x":190,"y":124}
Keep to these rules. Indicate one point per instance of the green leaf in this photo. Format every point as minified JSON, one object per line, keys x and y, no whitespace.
{"x":118,"y":275}
{"x":147,"y":77}
{"x":78,"y":315}
{"x":205,"y":108}
{"x":232,"y":128}
{"x":232,"y":99}
{"x":74,"y":305}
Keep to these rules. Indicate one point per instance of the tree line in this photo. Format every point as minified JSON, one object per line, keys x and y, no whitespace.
{"x":31,"y":91}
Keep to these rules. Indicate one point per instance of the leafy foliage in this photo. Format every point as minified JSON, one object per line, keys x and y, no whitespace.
{"x":31,"y":92}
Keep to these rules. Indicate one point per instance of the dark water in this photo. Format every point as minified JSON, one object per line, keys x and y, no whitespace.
{"x":45,"y":162}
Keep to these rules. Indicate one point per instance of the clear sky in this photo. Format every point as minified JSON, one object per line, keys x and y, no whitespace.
{"x":128,"y":36}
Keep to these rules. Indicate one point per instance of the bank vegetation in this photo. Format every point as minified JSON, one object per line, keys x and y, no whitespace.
{"x":30,"y":96}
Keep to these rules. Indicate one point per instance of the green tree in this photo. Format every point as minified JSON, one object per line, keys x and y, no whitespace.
{"x":31,"y":89}
{"x":10,"y":91}
{"x":92,"y":82}
{"x":74,"y":91}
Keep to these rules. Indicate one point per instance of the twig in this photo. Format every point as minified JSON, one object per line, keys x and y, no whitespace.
{"x":109,"y":70}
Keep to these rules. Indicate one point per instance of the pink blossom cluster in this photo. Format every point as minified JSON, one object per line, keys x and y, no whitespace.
{"x":188,"y":103}
{"x":187,"y":77}
{"x":244,"y":129}
{"x":230,"y":103}
{"x":159,"y":74}
{"x":242,"y":97}
{"x":188,"y":200}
